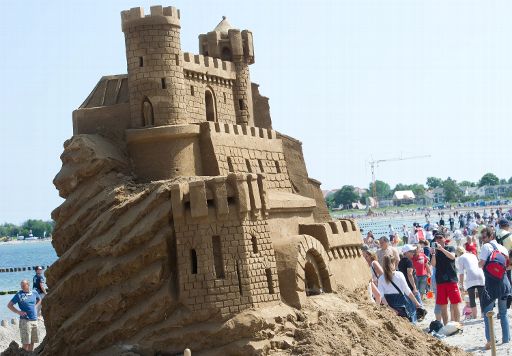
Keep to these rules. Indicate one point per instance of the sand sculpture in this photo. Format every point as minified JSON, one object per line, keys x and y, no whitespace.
{"x":183,"y":206}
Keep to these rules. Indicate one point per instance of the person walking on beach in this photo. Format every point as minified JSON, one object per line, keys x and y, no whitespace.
{"x":495,"y":289}
{"x":471,"y":277}
{"x":422,"y":266}
{"x":387,"y":250}
{"x":443,"y":259}
{"x":27,"y":301}
{"x":406,"y":266}
{"x":39,"y":286}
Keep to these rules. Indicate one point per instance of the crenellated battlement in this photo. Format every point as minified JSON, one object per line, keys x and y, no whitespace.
{"x":244,"y":193}
{"x":208,"y":65}
{"x":333,"y":234}
{"x":158,"y":15}
{"x":245,"y":130}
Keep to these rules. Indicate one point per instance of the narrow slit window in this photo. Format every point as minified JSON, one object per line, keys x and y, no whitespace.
{"x":192,"y":90}
{"x":248,"y":165}
{"x":177,"y":58}
{"x":239,"y":276}
{"x":193,"y":261}
{"x":278,"y":168}
{"x":230,"y":165}
{"x":268,"y":272}
{"x":225,"y":100}
{"x":260,"y":163}
{"x":164,"y":84}
{"x":218,"y":262}
{"x":141,"y":61}
{"x":241,"y":104}
{"x":254,"y":242}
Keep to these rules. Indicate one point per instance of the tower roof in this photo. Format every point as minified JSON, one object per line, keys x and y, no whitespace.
{"x":223,"y":26}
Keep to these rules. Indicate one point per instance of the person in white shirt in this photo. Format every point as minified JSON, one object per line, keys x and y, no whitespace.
{"x":471,"y":277}
{"x":386,"y":287}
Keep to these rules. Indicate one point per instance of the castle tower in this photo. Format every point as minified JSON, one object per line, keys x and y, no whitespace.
{"x":155,"y":73}
{"x":230,"y":44}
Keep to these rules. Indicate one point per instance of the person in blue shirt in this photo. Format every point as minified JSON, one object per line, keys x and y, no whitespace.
{"x":27,"y":301}
{"x":39,"y":286}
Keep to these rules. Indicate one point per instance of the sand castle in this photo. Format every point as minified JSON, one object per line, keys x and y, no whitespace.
{"x":183,"y":206}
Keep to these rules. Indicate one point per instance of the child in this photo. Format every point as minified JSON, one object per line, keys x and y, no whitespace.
{"x":467,"y":311}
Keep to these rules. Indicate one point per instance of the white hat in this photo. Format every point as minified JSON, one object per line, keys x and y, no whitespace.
{"x":408,"y":248}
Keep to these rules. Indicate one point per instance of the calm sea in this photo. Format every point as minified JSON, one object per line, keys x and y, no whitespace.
{"x":21,"y":254}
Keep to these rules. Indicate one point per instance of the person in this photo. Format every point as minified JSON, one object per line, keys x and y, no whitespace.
{"x":504,"y":236}
{"x":451,"y":220}
{"x":443,"y":259}
{"x":405,"y":234}
{"x":422,"y":268}
{"x":471,"y":277}
{"x":406,"y":266}
{"x":392,"y":285}
{"x":38,"y":284}
{"x":441,"y":221}
{"x":470,"y":245}
{"x":391,"y":230}
{"x":457,"y":236}
{"x":386,"y":250}
{"x":376,"y":272}
{"x":499,"y":290}
{"x":413,"y":238}
{"x":27,"y":301}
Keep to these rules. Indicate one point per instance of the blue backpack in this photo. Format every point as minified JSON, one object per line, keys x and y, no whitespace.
{"x":496,"y":264}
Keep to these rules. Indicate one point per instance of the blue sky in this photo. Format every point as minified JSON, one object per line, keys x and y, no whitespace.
{"x":350,"y":79}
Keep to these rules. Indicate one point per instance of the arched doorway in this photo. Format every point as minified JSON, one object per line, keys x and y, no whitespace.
{"x":316,"y":276}
{"x":147,"y":113}
{"x":209,"y":102}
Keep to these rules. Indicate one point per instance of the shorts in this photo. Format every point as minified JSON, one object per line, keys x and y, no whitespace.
{"x":472,"y":296}
{"x":28,"y":331}
{"x":447,"y":291}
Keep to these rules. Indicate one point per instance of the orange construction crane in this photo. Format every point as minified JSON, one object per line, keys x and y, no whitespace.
{"x":375,"y":163}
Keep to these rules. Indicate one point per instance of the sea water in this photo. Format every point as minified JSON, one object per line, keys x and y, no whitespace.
{"x":21,"y":254}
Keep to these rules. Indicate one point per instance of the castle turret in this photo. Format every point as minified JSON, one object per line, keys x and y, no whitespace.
{"x":230,"y":44}
{"x":155,"y":73}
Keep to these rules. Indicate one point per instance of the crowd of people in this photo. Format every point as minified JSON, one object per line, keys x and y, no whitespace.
{"x":462,"y":259}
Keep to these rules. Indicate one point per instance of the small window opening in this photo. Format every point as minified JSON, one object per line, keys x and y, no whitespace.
{"x":210,"y":106}
{"x":334,"y":228}
{"x":225,"y":100}
{"x":193,"y":261}
{"x":260,"y":163}
{"x":218,"y":262}
{"x":230,"y":165}
{"x":141,"y":61}
{"x":268,"y":272}
{"x":192,"y":92}
{"x":164,"y":84}
{"x":239,"y":277}
{"x":278,"y":168}
{"x":254,"y":242}
{"x":248,"y":165}
{"x":177,"y":59}
{"x":241,"y":104}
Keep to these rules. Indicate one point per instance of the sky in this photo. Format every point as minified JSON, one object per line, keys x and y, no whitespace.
{"x":353,"y":80}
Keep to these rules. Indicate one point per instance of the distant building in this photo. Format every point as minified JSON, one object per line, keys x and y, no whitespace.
{"x":403,"y":197}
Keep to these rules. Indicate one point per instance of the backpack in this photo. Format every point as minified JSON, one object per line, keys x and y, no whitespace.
{"x":502,"y":239}
{"x":496,"y":264}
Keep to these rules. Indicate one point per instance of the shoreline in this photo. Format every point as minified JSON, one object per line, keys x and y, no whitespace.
{"x":16,"y":242}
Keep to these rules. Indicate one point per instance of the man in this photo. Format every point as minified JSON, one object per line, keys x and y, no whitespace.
{"x":443,"y":259}
{"x":451,"y":220}
{"x":387,"y":250}
{"x":405,"y":234}
{"x":499,"y":290}
{"x":39,"y":286}
{"x":413,"y":238}
{"x":27,"y":301}
{"x":504,"y":235}
{"x":457,"y":235}
{"x":422,"y":268}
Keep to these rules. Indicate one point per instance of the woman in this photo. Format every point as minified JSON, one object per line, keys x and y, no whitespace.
{"x":395,"y":292}
{"x":376,"y":271}
{"x":471,"y":277}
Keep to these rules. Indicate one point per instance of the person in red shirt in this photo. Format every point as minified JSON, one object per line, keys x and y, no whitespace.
{"x":422,"y":267}
{"x":470,"y":245}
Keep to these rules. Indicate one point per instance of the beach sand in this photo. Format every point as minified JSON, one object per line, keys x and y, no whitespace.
{"x":11,"y":332}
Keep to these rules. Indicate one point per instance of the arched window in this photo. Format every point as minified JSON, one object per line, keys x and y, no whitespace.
{"x":209,"y":102}
{"x":147,"y":113}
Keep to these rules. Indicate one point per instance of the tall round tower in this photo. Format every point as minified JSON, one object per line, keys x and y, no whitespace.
{"x":155,"y":73}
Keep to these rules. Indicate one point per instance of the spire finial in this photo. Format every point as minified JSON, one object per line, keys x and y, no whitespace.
{"x":223,"y":17}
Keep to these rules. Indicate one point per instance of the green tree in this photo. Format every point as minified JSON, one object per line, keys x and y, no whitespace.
{"x":382,"y":188}
{"x":510,"y":180}
{"x":418,"y":190}
{"x":466,"y":183}
{"x":503,"y":181}
{"x":452,"y":192}
{"x":345,"y":196}
{"x":488,"y":179}
{"x":433,"y":182}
